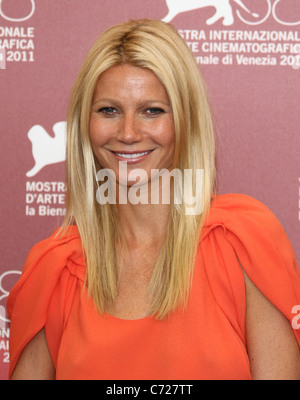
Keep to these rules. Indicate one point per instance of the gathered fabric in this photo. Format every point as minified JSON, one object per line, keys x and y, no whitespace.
{"x":205,"y":341}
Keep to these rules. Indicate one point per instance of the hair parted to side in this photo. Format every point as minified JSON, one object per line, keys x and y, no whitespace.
{"x":157,"y":46}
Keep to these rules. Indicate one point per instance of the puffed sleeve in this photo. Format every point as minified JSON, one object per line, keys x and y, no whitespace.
{"x":241,"y":231}
{"x":43,"y":293}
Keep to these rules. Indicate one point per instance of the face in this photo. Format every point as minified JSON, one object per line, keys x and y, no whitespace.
{"x":132,"y":121}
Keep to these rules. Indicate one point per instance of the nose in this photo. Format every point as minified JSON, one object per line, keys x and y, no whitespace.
{"x":130,"y":129}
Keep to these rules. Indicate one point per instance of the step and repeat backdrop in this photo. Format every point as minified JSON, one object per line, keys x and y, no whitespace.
{"x":249,"y":54}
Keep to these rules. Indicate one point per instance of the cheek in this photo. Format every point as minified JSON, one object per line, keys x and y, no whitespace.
{"x":169,"y":143}
{"x":168,"y":135}
{"x":99,"y":134}
{"x":171,"y":135}
{"x":163,"y":132}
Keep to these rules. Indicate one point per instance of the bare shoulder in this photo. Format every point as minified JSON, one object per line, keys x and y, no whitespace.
{"x":35,"y":362}
{"x":271,"y":344}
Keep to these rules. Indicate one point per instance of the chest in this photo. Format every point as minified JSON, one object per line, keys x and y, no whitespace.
{"x":199,"y":343}
{"x":134,"y":274}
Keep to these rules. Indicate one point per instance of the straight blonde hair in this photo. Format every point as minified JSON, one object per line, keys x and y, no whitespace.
{"x":157,"y":46}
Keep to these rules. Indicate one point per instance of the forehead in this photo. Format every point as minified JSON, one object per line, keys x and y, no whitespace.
{"x":129,"y":80}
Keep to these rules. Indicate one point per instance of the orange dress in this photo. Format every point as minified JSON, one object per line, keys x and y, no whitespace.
{"x":206,"y":341}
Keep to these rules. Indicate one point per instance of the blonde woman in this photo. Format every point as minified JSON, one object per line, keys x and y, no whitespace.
{"x":136,"y":290}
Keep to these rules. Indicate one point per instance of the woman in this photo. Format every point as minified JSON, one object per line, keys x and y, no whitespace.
{"x":145,"y":291}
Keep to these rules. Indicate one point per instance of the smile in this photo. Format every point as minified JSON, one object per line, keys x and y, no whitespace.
{"x":132,"y":155}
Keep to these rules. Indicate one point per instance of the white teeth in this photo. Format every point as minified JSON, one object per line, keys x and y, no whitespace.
{"x":135,"y":155}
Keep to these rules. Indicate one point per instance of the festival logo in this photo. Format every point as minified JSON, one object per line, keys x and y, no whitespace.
{"x":7,"y":281}
{"x":275,"y":16}
{"x":25,"y":18}
{"x":46,"y":198}
{"x":5,"y":287}
{"x":240,"y":47}
{"x":17,"y":41}
{"x":224,"y":11}
{"x":47,"y":150}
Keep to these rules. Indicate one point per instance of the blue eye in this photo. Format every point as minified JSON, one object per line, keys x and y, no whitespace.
{"x":107,"y":111}
{"x":154,"y":111}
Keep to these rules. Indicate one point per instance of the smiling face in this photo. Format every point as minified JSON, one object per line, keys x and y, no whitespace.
{"x":132,"y":121}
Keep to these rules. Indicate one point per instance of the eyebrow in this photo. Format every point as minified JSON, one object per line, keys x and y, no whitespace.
{"x":142,"y":102}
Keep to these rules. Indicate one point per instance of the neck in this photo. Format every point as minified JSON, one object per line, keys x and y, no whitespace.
{"x":143,"y":223}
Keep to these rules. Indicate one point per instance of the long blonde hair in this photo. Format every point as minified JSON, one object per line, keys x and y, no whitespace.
{"x":158,"y":47}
